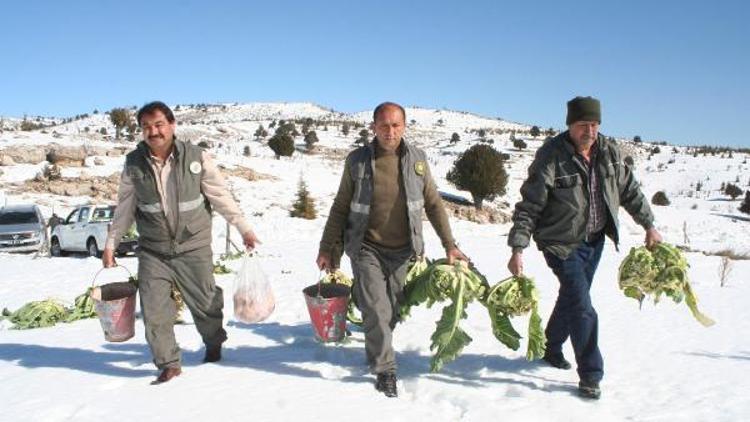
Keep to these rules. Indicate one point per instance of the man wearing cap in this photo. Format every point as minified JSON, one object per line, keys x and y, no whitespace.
{"x":569,"y":202}
{"x":376,"y":218}
{"x":169,"y":187}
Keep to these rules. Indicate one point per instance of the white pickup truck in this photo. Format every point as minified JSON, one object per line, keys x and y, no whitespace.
{"x":85,"y":230}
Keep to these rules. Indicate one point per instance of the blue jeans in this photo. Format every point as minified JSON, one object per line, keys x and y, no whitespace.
{"x":574,"y":315}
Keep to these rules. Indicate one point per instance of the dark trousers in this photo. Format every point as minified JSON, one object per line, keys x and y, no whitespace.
{"x":574,"y":315}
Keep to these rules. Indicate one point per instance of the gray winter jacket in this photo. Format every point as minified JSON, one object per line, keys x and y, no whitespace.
{"x":555,"y":197}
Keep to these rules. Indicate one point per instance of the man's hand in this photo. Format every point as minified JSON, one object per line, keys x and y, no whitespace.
{"x":324,"y":262}
{"x":108,"y":258}
{"x":515,"y":264}
{"x":250,"y":240}
{"x":454,"y":253}
{"x":652,"y":238}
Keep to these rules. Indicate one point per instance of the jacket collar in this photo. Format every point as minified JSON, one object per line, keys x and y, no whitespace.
{"x":568,"y":146}
{"x":178,"y":147}
{"x":372,"y":147}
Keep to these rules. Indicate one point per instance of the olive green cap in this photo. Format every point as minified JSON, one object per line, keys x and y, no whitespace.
{"x":585,"y":109}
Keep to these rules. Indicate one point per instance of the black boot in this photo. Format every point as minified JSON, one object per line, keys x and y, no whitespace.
{"x":557,"y":360}
{"x":589,"y":390}
{"x":387,"y":384}
{"x":213,"y":354}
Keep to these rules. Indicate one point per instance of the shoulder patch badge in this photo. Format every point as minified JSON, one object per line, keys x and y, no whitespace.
{"x":195,"y":167}
{"x":420,"y":167}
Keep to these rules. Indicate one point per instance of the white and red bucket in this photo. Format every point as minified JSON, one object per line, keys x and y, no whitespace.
{"x":327,"y":305}
{"x":115,"y":306}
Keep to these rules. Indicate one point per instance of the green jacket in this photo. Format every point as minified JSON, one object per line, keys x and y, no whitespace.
{"x":193,"y":229}
{"x":555,"y":197}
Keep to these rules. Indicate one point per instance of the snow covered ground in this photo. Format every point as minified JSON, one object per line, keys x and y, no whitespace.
{"x":660,"y":364}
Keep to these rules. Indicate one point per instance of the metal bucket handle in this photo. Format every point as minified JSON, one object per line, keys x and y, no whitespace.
{"x":320,"y":281}
{"x":93,"y":282}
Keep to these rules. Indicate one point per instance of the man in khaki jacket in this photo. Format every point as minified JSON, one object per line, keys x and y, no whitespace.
{"x":169,"y":188}
{"x":376,"y":218}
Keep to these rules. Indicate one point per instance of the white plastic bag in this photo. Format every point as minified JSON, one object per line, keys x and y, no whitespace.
{"x":253,"y":297}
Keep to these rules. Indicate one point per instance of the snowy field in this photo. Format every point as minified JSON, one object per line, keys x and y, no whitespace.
{"x":660,"y":364}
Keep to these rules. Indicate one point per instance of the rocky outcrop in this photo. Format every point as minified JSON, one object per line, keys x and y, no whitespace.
{"x":487,"y":215}
{"x":245,"y":173}
{"x":97,"y":187}
{"x":70,"y":156}
{"x":25,"y":154}
{"x":6,"y":160}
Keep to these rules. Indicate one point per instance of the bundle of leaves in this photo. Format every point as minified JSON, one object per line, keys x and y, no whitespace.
{"x":459,"y":283}
{"x":179,"y":304}
{"x":231,"y":256}
{"x":417,"y":269}
{"x":220,"y":268}
{"x":132,"y":233}
{"x":46,"y":313}
{"x":338,"y":277}
{"x":83,"y":307}
{"x":43,"y":313}
{"x":657,"y":272}
{"x":516,"y":296}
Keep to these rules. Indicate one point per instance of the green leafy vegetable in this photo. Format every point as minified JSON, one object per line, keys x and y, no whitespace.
{"x":220,"y":268}
{"x":83,"y":307}
{"x":132,"y":233}
{"x":338,"y":277}
{"x":46,"y":313}
{"x":417,"y":270}
{"x":231,"y":256}
{"x":43,"y":313}
{"x":438,"y":282}
{"x":179,"y":304}
{"x":657,"y":272}
{"x":516,"y":296}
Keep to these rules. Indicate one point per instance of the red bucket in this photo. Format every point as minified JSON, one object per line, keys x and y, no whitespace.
{"x":117,"y":318}
{"x":327,"y":305}
{"x":115,"y":307}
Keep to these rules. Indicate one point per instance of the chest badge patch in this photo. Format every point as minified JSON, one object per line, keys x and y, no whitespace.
{"x":420,"y":168}
{"x":195,"y":167}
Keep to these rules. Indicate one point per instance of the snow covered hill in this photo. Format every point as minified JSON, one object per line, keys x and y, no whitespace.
{"x":660,"y":365}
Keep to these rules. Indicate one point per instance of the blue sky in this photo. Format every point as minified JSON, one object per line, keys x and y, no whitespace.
{"x":665,"y":70}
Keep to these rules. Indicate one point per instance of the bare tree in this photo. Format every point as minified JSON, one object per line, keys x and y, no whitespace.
{"x":725,"y":268}
{"x":685,"y":234}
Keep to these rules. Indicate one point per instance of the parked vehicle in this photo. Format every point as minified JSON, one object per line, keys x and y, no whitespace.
{"x":85,"y":230}
{"x":22,"y":229}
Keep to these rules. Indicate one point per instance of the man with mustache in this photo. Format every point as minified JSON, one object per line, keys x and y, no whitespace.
{"x":570,"y":200}
{"x":169,"y":187}
{"x":376,"y":218}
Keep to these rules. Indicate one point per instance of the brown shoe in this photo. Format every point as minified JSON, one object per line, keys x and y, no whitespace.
{"x":167,"y":374}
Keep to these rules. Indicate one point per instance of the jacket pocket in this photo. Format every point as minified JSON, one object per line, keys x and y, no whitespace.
{"x":567,"y":181}
{"x":565,"y":200}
